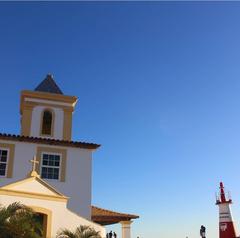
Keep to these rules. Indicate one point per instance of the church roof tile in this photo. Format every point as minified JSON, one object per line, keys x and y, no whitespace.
{"x":48,"y":141}
{"x":107,"y":217}
{"x":48,"y":85}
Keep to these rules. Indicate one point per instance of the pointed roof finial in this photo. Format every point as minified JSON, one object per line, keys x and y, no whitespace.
{"x":48,"y":85}
{"x":49,"y":76}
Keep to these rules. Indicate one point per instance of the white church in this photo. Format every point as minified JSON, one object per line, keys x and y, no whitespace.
{"x":47,"y":171}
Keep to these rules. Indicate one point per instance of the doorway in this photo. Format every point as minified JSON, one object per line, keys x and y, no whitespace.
{"x":44,"y":218}
{"x":42,"y":221}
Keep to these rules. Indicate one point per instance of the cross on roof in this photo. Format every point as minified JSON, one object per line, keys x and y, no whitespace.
{"x":34,"y":162}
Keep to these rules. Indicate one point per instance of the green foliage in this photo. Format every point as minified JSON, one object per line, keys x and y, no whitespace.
{"x":80,"y":232}
{"x":17,"y":220}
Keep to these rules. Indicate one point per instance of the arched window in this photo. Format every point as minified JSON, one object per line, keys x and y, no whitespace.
{"x":47,"y":122}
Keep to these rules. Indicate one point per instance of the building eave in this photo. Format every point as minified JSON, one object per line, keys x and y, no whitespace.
{"x":109,"y":217}
{"x":48,"y":141}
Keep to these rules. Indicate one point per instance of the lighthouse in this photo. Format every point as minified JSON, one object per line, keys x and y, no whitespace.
{"x":226,"y":225}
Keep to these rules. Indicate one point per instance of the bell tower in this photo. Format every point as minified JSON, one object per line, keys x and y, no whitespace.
{"x":46,"y":112}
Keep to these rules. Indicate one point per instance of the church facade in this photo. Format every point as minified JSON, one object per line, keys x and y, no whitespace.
{"x":59,"y":183}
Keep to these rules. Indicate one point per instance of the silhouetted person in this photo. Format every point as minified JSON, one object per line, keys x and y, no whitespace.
{"x":110,"y":234}
{"x":203,"y":231}
{"x":107,"y":235}
{"x":114,"y":235}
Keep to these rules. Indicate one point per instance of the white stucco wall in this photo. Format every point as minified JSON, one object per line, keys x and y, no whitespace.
{"x":58,"y":121}
{"x":77,"y":183}
{"x":61,"y":216}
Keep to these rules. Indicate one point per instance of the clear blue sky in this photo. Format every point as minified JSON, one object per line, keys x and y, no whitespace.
{"x":159,"y":88}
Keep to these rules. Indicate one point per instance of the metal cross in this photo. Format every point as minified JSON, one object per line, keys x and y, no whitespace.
{"x":34,"y":162}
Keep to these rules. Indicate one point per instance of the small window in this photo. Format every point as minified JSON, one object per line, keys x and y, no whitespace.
{"x":47,"y":123}
{"x":3,"y":162}
{"x":50,"y":167}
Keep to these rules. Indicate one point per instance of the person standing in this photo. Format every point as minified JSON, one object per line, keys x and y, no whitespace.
{"x":110,"y":234}
{"x":114,"y":235}
{"x":203,"y":231}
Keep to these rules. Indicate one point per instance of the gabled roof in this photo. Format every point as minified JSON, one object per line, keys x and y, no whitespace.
{"x":108,"y":217}
{"x":33,"y":187}
{"x":48,"y":85}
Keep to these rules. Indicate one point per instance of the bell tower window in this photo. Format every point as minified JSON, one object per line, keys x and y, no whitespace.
{"x":47,"y":123}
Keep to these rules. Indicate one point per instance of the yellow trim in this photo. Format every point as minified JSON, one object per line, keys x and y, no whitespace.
{"x":48,"y":186}
{"x":10,"y":189}
{"x":52,"y":123}
{"x":47,"y":96}
{"x":26,"y":109}
{"x":34,"y":104}
{"x":67,"y":125}
{"x":11,"y":148}
{"x":26,"y":120}
{"x":63,"y":153}
{"x":7,"y":186}
{"x":11,"y":185}
{"x":47,"y":220}
{"x":33,"y":195}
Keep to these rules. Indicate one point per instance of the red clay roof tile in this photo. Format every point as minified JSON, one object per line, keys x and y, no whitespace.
{"x":107,"y":217}
{"x":48,"y":141}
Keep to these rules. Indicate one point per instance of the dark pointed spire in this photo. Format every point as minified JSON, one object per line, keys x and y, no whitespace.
{"x":48,"y":85}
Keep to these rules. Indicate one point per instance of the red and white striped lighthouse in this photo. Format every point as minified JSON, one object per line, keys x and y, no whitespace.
{"x":226,"y":225}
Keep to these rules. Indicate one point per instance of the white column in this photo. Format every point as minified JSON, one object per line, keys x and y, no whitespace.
{"x":126,"y":229}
